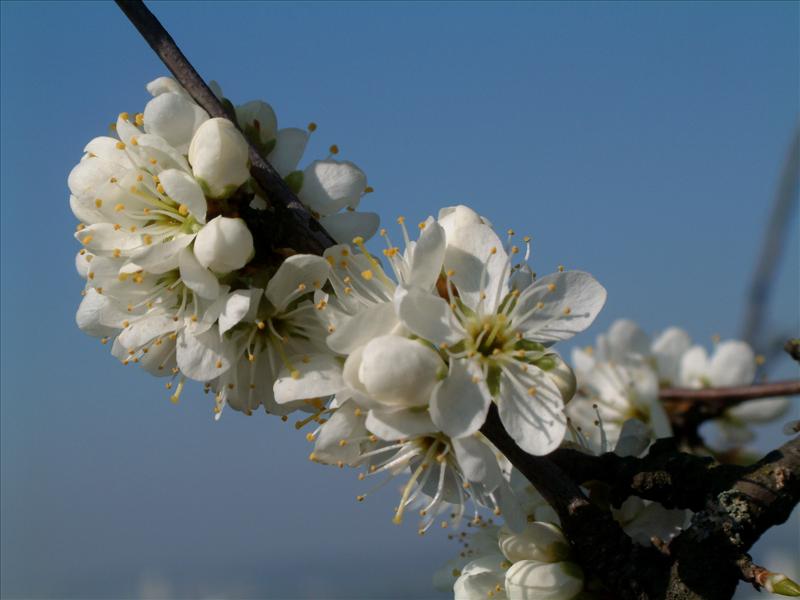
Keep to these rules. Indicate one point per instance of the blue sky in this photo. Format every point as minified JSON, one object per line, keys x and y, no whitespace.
{"x":639,"y":141}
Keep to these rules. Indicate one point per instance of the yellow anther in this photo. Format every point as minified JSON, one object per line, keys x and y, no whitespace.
{"x":514,"y":250}
{"x":331,"y":328}
{"x":358,"y":240}
{"x":567,"y":311}
{"x":348,"y":290}
{"x":312,"y":456}
{"x":134,"y":141}
{"x":219,"y":364}
{"x":510,"y":232}
{"x":310,"y":437}
{"x":306,"y":360}
{"x":125,"y":324}
{"x":760,"y":359}
{"x":456,"y":573}
{"x":119,"y":207}
{"x":120,"y":145}
{"x":80,"y":227}
{"x":312,"y":127}
{"x":401,"y":220}
{"x":146,"y":210}
{"x":117,"y":226}
{"x":560,"y":268}
{"x":373,"y":438}
{"x":87,"y":240}
{"x":360,"y":498}
{"x":366,"y":274}
{"x":532,"y":391}
{"x":422,"y":225}
{"x":383,"y":232}
{"x":139,"y":118}
{"x":331,"y":260}
{"x":124,"y":116}
{"x":138,"y":278}
{"x":90,"y":275}
{"x":160,"y":189}
{"x":261,"y":325}
{"x":295,"y":374}
{"x":153,"y":161}
{"x":357,"y":412}
{"x":194,"y":318}
{"x":526,"y":239}
{"x":345,"y":251}
{"x":147,"y":238}
{"x":132,"y":228}
{"x":98,"y":203}
{"x":540,"y":305}
{"x":493,"y":250}
{"x":342,"y":443}
{"x":551,"y":287}
{"x":369,"y":189}
{"x":117,"y":252}
{"x":112,"y":180}
{"x":123,"y":276}
{"x":334,"y":149}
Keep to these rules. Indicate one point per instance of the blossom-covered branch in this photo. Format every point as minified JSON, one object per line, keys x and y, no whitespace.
{"x":291,"y":227}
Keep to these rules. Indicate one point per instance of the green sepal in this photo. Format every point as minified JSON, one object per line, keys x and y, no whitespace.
{"x":493,"y":379}
{"x":295,"y":181}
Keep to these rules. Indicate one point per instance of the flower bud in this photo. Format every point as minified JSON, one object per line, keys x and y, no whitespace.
{"x":778,"y":583}
{"x":534,"y":580}
{"x":538,"y":541}
{"x":258,"y":121}
{"x":397,"y":371}
{"x":224,"y":245}
{"x":219,"y":157}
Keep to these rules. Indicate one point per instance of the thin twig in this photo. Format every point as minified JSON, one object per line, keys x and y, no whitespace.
{"x":773,"y":242}
{"x":293,"y":226}
{"x":730,"y":396}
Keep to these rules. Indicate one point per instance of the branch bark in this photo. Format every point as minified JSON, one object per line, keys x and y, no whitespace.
{"x":290,"y":228}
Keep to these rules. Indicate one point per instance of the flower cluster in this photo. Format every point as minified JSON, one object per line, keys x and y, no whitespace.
{"x":397,"y":360}
{"x":620,"y":377}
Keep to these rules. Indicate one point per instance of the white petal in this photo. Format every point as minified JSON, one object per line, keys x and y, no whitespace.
{"x":760,"y":411}
{"x":536,"y":422}
{"x":330,"y":185}
{"x":626,"y":338}
{"x":633,"y":439}
{"x":160,"y":257}
{"x":370,"y":323}
{"x":236,"y":306}
{"x":537,"y":541}
{"x":733,"y":363}
{"x":668,"y":348}
{"x":318,"y":376}
{"x":452,"y":218}
{"x":534,"y":580}
{"x":477,"y":461}
{"x":428,"y":257}
{"x":183,"y":189}
{"x":470,"y":255}
{"x":202,"y":357}
{"x":343,"y":425}
{"x":398,"y":424}
{"x":258,"y":111}
{"x":346,"y":225}
{"x":428,"y":316}
{"x":458,"y":404}
{"x":558,"y":306}
{"x":90,"y":315}
{"x":298,"y":274}
{"x":148,"y":328}
{"x":174,"y":117}
{"x":694,"y":368}
{"x":289,"y":148}
{"x":164,"y":85}
{"x":480,"y":577}
{"x":196,"y":277}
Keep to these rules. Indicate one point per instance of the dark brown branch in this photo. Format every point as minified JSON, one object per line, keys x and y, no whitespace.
{"x":290,"y":227}
{"x":600,"y":545}
{"x":708,"y":552}
{"x":672,"y":478}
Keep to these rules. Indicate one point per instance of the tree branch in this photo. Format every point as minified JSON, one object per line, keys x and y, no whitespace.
{"x":600,"y":545}
{"x":689,"y":408}
{"x":290,"y":227}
